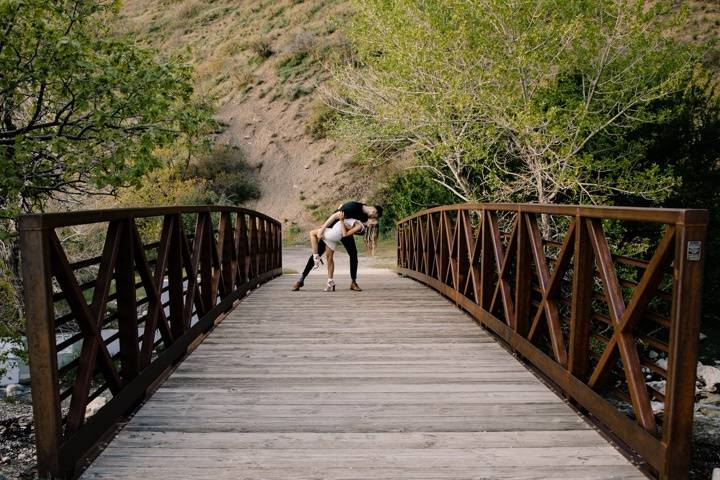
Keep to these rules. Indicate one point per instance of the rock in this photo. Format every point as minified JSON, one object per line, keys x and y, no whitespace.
{"x":715,"y":474}
{"x":702,"y":336}
{"x":710,"y":377}
{"x":653,"y":354}
{"x":662,"y":363}
{"x":709,"y":399}
{"x":13,"y":390}
{"x":658,"y":386}
{"x":710,"y":411}
{"x":307,"y":166}
{"x":657,"y":407}
{"x":94,"y":406}
{"x":706,"y":429}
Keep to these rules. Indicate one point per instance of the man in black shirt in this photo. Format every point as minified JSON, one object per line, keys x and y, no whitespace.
{"x":355,"y":210}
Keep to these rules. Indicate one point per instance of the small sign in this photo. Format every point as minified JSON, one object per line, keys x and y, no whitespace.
{"x":694,"y":249}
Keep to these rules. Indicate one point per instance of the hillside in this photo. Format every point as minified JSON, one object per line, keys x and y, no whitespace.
{"x":262,"y":62}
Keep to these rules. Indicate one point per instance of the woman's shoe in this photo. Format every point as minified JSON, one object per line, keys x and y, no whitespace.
{"x":330,"y":286}
{"x":355,"y":287}
{"x":297,"y":286}
{"x":318,"y":261}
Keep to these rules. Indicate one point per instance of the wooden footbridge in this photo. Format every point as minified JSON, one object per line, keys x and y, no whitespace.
{"x":536,"y":367}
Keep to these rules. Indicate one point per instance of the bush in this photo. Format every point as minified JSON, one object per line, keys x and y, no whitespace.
{"x":261,"y":47}
{"x":407,"y":192}
{"x":320,"y":120}
{"x":228,"y":175}
{"x":297,"y":90}
{"x":11,"y":315}
{"x":292,"y":64}
{"x":10,"y":303}
{"x":303,"y":42}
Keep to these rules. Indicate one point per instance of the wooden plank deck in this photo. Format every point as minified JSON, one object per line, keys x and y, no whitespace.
{"x":390,"y":383}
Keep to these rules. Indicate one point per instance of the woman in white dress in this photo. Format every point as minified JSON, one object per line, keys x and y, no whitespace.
{"x":331,"y":236}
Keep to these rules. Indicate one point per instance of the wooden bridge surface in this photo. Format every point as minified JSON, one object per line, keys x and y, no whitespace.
{"x":391,"y":383}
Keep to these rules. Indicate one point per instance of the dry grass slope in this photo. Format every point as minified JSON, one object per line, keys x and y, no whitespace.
{"x":262,"y":62}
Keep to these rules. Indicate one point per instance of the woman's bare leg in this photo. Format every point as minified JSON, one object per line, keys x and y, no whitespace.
{"x":314,"y":241}
{"x":329,"y":254}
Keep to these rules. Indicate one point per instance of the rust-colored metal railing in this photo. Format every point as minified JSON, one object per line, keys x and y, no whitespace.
{"x":613,"y":324}
{"x":112,"y":322}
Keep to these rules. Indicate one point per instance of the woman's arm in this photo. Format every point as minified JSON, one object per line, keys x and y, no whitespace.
{"x":343,"y":227}
{"x":355,"y":229}
{"x":331,"y":219}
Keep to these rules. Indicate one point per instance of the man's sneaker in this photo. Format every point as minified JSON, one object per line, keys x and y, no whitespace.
{"x":355,"y":287}
{"x":297,"y":286}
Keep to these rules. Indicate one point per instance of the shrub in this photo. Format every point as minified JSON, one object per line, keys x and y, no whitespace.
{"x":297,"y":90}
{"x":320,"y":120}
{"x":291,"y":64}
{"x":190,"y":9}
{"x":228,"y":174}
{"x":244,"y":81}
{"x":261,"y":47}
{"x":11,"y":314}
{"x":407,"y":192}
{"x":303,"y":42}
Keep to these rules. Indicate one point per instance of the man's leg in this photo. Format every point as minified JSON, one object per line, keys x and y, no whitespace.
{"x":349,"y":244}
{"x":309,"y":266}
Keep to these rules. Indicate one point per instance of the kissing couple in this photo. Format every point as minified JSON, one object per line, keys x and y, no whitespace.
{"x":352,"y":218}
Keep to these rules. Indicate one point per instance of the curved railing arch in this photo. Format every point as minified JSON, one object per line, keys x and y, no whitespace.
{"x":597,"y":320}
{"x":117,"y":319}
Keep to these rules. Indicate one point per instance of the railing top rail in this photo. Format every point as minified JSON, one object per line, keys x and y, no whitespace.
{"x":67,"y":219}
{"x":654,"y":215}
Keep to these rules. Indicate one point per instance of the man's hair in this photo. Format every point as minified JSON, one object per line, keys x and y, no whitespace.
{"x":379,"y":210}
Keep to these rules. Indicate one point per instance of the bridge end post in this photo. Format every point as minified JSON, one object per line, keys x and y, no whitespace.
{"x":40,"y":332}
{"x":690,"y":252}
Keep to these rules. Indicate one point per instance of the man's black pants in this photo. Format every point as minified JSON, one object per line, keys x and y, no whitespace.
{"x":350,"y":248}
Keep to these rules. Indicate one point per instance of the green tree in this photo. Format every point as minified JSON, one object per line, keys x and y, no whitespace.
{"x":407,"y":192}
{"x":82,"y":111}
{"x":80,"y":108}
{"x":516,"y":100}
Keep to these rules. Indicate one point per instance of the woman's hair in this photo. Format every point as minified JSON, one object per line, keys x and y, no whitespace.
{"x":371,"y":235}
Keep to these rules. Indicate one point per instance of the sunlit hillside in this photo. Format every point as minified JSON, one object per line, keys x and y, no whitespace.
{"x":262,"y":62}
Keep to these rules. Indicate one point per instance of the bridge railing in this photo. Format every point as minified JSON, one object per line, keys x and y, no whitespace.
{"x":604,"y":302}
{"x":110,"y":319}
